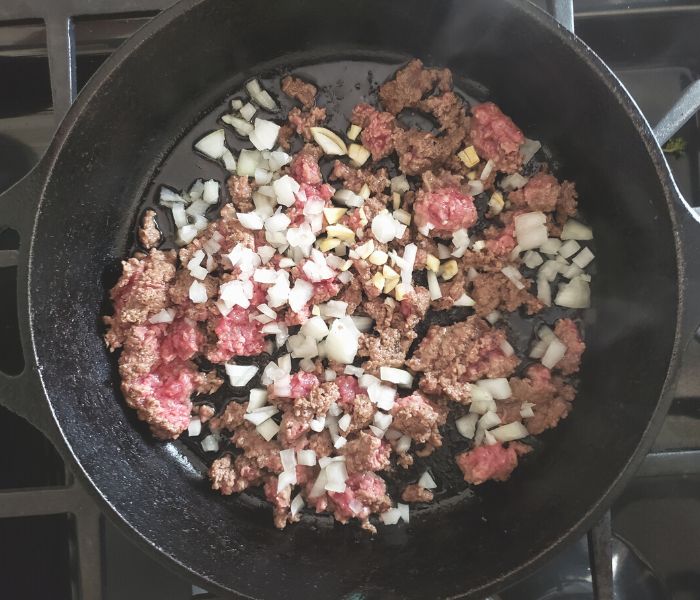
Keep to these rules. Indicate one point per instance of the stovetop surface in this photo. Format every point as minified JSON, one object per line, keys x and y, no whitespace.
{"x":47,"y":552}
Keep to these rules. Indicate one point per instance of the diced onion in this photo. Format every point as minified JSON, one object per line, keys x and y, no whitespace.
{"x":250,"y":220}
{"x":488,"y":420}
{"x":404,"y":511}
{"x":349,"y":198}
{"x":240,"y":375}
{"x":575,"y":294}
{"x":466,"y":425}
{"x":265,"y":134}
{"x":532,"y":259}
{"x":398,"y":376}
{"x":528,"y":149}
{"x":256,"y":399}
{"x":212,"y":144}
{"x":583,"y":258}
{"x":513,"y":274}
{"x":330,"y":142}
{"x":498,"y":387}
{"x":306,"y":458}
{"x":241,"y":126}
{"x":260,"y":415}
{"x":165,"y":315}
{"x":510,"y":432}
{"x":530,"y":230}
{"x":513,"y":182}
{"x":404,"y":444}
{"x":382,"y":420}
{"x":569,"y":248}
{"x":296,"y":505}
{"x":344,"y":422}
{"x":285,"y":188}
{"x":464,"y":300}
{"x":426,"y":481}
{"x":555,"y":352}
{"x":195,"y":427}
{"x":268,"y":429}
{"x":383,"y":227}
{"x":434,"y":286}
{"x":198,"y":292}
{"x":573,"y":230}
{"x":342,"y":341}
{"x":210,"y":444}
{"x":391,"y":516}
{"x":544,"y":291}
{"x":247,"y":162}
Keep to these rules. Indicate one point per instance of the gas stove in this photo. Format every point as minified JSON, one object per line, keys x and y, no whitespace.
{"x":54,"y":543}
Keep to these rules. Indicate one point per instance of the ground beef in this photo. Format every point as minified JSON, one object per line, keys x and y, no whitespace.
{"x":321,"y":443}
{"x":494,"y":291}
{"x":304,"y":168}
{"x":223,"y":475}
{"x":366,"y":453}
{"x":377,"y":130}
{"x":451,"y":290}
{"x":301,"y":384}
{"x":500,"y":241}
{"x":420,"y":150}
{"x":149,"y":234}
{"x":365,"y":493}
{"x":353,"y":179}
{"x":452,"y":357}
{"x":241,"y":192}
{"x":410,"y":85}
{"x":567,"y":331}
{"x":566,"y":203}
{"x":496,"y":137}
{"x":348,"y":388}
{"x":541,"y":193}
{"x":490,"y":462}
{"x":552,"y":397}
{"x":236,"y":335}
{"x":263,"y":454}
{"x":416,"y":493}
{"x":204,"y":411}
{"x":441,"y":179}
{"x":231,"y":418}
{"x":142,"y":291}
{"x":301,"y":121}
{"x":300,"y":90}
{"x":447,"y":210}
{"x":352,"y":295}
{"x":418,"y":418}
{"x":297,"y":418}
{"x":362,"y":412}
{"x":383,"y":351}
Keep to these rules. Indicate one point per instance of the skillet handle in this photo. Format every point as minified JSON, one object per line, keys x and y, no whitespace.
{"x":22,"y":393}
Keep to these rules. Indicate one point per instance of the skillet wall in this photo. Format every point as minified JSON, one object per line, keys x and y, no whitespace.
{"x":87,"y":215}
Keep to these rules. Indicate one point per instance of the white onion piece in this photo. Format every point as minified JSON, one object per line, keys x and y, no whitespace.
{"x":195,"y":427}
{"x":404,"y":444}
{"x":409,"y":259}
{"x":493,"y":317}
{"x":285,"y":188}
{"x":528,"y":149}
{"x":363,"y":324}
{"x":510,"y":432}
{"x":186,"y":234}
{"x":569,"y":248}
{"x":296,"y":505}
{"x":443,"y":252}
{"x":426,"y":481}
{"x":334,"y":309}
{"x":168,"y":197}
{"x":367,"y":381}
{"x":256,"y":399}
{"x":240,"y":375}
{"x":532,"y":259}
{"x":488,"y":168}
{"x":376,"y":431}
{"x":573,"y":230}
{"x":288,"y":460}
{"x":198,"y":293}
{"x":342,"y":341}
{"x":498,"y":387}
{"x":391,"y":516}
{"x":539,"y":348}
{"x":384,"y":228}
{"x":481,"y":407}
{"x":583,"y":258}
{"x":212,"y":144}
{"x":403,"y":511}
{"x":434,"y":286}
{"x":489,"y":440}
{"x":526,"y":411}
{"x":381,"y":395}
{"x":392,"y":435}
{"x":399,"y":184}
{"x":278,"y":159}
{"x":165,"y":315}
{"x":330,"y":375}
{"x":251,"y":220}
{"x":344,"y":422}
{"x":354,"y":371}
{"x":514,"y":275}
{"x":300,"y":294}
{"x":488,"y":420}
{"x":268,"y":429}
{"x":315,"y":327}
{"x":544,"y":291}
{"x":285,"y":479}
{"x":480,"y":394}
{"x":265,"y":134}
{"x":575,"y":294}
{"x":210,"y":444}
{"x":318,"y":424}
{"x":382,"y":420}
{"x":506,"y":348}
{"x":306,"y":458}
{"x":336,"y":474}
{"x":260,"y":415}
{"x":530,"y":230}
{"x":466,"y":425}
{"x":398,"y":376}
{"x":319,"y":485}
{"x":247,"y":162}
{"x":555,"y":352}
{"x":241,"y":126}
{"x":278,"y":222}
{"x":179,"y":215}
{"x":572,"y":271}
{"x":349,"y":198}
{"x":513,"y":182}
{"x":464,"y":300}
{"x":551,"y":246}
{"x":329,"y":141}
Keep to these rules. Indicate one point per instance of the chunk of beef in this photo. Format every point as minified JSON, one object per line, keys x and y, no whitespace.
{"x":149,"y":234}
{"x":494,"y":291}
{"x":366,"y":453}
{"x":451,"y":357}
{"x":383,"y":351}
{"x":236,"y":335}
{"x":445,"y":211}
{"x":416,"y":493}
{"x":300,"y":90}
{"x":540,"y":193}
{"x":377,"y":130}
{"x":261,"y":453}
{"x":410,"y":85}
{"x":280,"y":502}
{"x":551,"y":396}
{"x":231,"y":418}
{"x":241,"y":192}
{"x":419,"y":418}
{"x":567,"y":331}
{"x":353,"y":179}
{"x":301,"y":121}
{"x":496,"y":137}
{"x":490,"y":462}
{"x":365,"y":494}
{"x":297,"y":418}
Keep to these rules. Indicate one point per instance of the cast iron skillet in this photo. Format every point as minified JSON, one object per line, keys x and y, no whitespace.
{"x":75,"y":215}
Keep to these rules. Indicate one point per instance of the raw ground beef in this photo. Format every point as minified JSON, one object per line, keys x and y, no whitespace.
{"x":451,"y":357}
{"x":490,"y":462}
{"x":175,"y":325}
{"x":496,"y":137}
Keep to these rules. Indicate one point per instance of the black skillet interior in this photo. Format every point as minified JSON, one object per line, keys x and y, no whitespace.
{"x":162,"y":87}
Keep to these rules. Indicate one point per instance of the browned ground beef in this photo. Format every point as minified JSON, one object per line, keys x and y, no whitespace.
{"x":173,"y":345}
